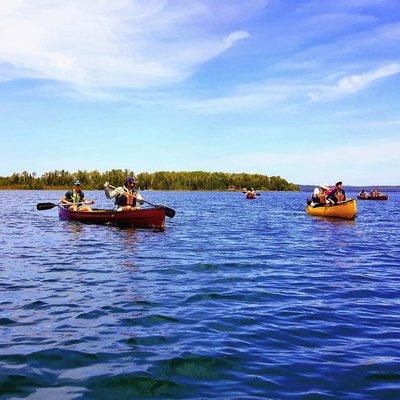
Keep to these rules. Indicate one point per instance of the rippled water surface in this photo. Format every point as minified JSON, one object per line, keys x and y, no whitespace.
{"x":236,"y":299}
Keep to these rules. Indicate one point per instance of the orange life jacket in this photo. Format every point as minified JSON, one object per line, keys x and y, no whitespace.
{"x":127,"y":198}
{"x":340,"y":196}
{"x":322,"y":198}
{"x":130,"y":199}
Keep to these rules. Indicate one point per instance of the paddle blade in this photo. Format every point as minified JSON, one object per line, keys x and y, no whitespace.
{"x":169,"y":212}
{"x":45,"y":206}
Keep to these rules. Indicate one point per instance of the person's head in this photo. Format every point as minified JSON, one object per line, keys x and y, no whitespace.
{"x":77,"y":186}
{"x":339,"y":185}
{"x":130,"y":182}
{"x":324,"y":186}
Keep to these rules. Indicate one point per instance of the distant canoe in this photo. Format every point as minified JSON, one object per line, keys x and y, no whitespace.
{"x":142,"y":218}
{"x":380,"y":197}
{"x":346,"y":209}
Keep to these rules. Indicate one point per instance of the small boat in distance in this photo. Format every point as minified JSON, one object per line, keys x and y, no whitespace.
{"x":373,"y":195}
{"x":251,"y":195}
{"x":346,"y":209}
{"x":142,"y":218}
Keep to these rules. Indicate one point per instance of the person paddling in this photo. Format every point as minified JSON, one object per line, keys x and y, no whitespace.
{"x":126,"y":196}
{"x":336,"y":194}
{"x":76,"y":200}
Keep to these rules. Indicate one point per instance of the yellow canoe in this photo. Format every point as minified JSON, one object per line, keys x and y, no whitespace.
{"x":345,"y":209}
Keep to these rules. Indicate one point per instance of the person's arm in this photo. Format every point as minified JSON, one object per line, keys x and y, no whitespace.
{"x":84,"y":201}
{"x":113,"y":193}
{"x":66,"y":198}
{"x":331,"y":194}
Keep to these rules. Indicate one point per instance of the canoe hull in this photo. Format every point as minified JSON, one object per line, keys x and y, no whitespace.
{"x":346,"y":210}
{"x":142,"y":218}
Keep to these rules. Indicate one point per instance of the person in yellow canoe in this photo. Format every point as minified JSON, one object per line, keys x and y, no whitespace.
{"x":336,"y":194}
{"x":126,"y":196}
{"x":76,"y":200}
{"x":318,"y":197}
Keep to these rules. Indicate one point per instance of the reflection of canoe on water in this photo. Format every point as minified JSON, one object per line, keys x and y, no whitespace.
{"x":380,"y":197}
{"x":142,"y":218}
{"x":346,"y":209}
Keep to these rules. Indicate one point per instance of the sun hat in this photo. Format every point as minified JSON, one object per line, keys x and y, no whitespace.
{"x":339,"y":183}
{"x":324,"y":186}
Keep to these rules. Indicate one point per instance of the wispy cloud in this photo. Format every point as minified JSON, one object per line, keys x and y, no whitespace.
{"x":252,"y":98}
{"x":111,"y":44}
{"x":354,"y":83}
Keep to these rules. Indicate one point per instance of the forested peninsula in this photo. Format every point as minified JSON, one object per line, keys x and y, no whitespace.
{"x":162,"y":180}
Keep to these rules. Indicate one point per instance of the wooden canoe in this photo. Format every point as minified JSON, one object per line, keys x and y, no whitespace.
{"x":142,"y":218}
{"x":380,"y":197}
{"x":345,"y":209}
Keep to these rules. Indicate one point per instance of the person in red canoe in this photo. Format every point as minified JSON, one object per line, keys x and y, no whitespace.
{"x":76,"y":200}
{"x":126,"y":196}
{"x":363,"y":194}
{"x":336,"y":194}
{"x":251,"y":192}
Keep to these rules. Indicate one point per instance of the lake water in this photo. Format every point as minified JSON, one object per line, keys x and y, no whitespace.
{"x":236,"y":299}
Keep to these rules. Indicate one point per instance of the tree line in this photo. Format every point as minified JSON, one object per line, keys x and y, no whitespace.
{"x":161,"y":180}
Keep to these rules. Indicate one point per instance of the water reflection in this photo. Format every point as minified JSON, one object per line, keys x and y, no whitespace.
{"x":72,"y":228}
{"x":335,"y":221}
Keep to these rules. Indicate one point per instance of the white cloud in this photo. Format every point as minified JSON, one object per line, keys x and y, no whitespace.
{"x":258,"y":96}
{"x":353,"y":83}
{"x":119,"y":43}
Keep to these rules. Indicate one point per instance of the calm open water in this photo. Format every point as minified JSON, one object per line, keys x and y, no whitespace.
{"x":236,"y":299}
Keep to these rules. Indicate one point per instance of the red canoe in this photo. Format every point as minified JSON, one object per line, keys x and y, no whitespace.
{"x":380,"y":197}
{"x":143,"y":218}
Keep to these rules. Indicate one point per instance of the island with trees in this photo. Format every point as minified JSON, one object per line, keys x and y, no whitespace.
{"x":161,"y":180}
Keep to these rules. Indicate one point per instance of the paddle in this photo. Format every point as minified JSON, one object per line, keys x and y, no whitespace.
{"x":169,"y":212}
{"x":257,"y":194}
{"x":48,"y":206}
{"x":45,"y":206}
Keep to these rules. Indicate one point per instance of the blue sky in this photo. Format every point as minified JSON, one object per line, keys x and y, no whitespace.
{"x":308,"y":90}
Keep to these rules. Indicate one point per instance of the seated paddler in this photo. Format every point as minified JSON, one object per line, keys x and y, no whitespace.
{"x":318,"y":198}
{"x":126,"y":197}
{"x":76,"y":200}
{"x":336,"y":194}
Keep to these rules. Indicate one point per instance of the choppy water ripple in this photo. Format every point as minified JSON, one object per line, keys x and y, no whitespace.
{"x":236,"y":299}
